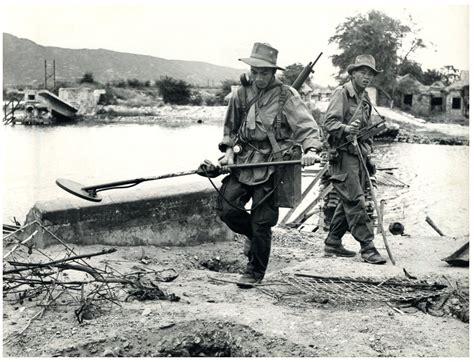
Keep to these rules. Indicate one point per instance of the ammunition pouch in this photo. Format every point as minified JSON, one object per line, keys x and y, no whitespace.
{"x":288,"y":180}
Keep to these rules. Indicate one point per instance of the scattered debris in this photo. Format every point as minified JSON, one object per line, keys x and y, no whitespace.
{"x":387,"y":179}
{"x":460,"y":257}
{"x":337,"y":289}
{"x":146,"y":293}
{"x":432,"y":224}
{"x":215,"y":343}
{"x":222,"y":265}
{"x":34,"y":276}
{"x":7,"y":228}
{"x":157,"y":329}
{"x":408,"y":275}
{"x":396,"y":228}
{"x":430,"y":297}
{"x":446,"y":304}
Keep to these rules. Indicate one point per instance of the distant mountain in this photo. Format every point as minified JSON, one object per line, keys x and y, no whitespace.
{"x":23,"y":64}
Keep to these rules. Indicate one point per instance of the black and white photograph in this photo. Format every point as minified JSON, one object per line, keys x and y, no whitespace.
{"x":235,"y":178}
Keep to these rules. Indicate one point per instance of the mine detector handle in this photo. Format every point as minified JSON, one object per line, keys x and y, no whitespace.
{"x":90,"y":192}
{"x":305,"y":73}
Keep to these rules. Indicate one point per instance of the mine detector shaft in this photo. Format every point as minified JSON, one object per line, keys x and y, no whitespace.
{"x":90,"y":192}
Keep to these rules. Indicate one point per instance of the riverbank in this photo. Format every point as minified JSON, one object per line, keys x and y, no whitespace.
{"x":410,"y":129}
{"x":213,"y":317}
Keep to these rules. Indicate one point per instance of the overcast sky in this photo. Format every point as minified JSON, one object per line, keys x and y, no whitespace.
{"x":220,"y":32}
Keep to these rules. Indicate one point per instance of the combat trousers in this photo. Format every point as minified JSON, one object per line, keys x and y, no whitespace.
{"x":348,"y":178}
{"x":256,"y":225}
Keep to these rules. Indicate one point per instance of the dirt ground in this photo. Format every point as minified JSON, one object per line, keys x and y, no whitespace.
{"x":216,"y":318}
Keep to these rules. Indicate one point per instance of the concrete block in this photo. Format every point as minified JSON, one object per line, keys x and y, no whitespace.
{"x":168,"y":214}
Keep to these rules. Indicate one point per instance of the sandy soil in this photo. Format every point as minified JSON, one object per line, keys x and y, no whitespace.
{"x":214,"y":318}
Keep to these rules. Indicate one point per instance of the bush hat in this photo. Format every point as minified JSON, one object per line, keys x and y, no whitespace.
{"x":364,"y":60}
{"x":263,"y":56}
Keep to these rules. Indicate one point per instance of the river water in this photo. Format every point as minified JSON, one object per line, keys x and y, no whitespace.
{"x":34,"y":157}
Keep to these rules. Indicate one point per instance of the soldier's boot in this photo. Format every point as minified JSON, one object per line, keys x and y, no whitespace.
{"x":372,"y":256}
{"x":333,"y":247}
{"x":338,"y":250}
{"x":248,"y":280}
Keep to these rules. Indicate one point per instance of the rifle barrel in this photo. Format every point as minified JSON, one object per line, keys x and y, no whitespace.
{"x":319,"y":56}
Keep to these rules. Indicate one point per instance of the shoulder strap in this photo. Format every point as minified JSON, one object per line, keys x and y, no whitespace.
{"x":284,"y":95}
{"x":244,"y":107}
{"x":272,"y":134}
{"x":242,"y":92}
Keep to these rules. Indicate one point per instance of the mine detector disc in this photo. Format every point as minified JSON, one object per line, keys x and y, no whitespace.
{"x":77,"y":189}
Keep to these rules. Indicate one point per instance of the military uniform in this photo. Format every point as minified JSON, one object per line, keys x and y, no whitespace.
{"x":252,"y":114}
{"x":346,"y":173}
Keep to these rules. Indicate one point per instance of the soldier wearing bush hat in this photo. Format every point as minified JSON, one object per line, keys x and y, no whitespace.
{"x":349,"y":111}
{"x":266,"y":120}
{"x":365,"y":60}
{"x":263,"y":56}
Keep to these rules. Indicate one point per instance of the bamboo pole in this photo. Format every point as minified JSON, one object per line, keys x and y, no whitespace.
{"x":382,"y":210}
{"x":374,"y":198}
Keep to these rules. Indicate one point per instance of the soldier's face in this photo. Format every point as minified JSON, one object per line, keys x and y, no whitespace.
{"x":262,"y":76}
{"x":363,"y":77}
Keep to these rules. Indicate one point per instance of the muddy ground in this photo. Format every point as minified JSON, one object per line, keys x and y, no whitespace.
{"x":214,"y":318}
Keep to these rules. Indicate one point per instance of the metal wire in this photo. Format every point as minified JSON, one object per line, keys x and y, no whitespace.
{"x":314,"y":288}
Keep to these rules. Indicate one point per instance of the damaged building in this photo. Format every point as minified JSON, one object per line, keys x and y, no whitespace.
{"x":437,"y":101}
{"x":44,"y":107}
{"x":84,"y":99}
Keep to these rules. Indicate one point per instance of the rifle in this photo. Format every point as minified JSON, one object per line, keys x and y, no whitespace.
{"x":305,"y":73}
{"x":367,"y":132}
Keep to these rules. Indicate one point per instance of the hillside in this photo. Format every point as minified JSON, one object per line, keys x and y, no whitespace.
{"x":23,"y":63}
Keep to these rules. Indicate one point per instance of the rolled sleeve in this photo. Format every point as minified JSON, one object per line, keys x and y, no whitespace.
{"x":304,"y":127}
{"x":333,"y":120}
{"x":231,"y":123}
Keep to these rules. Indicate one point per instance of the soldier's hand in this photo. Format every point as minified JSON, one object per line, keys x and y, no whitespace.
{"x":228,"y":158}
{"x":208,"y":169}
{"x":352,"y":128}
{"x":310,"y":158}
